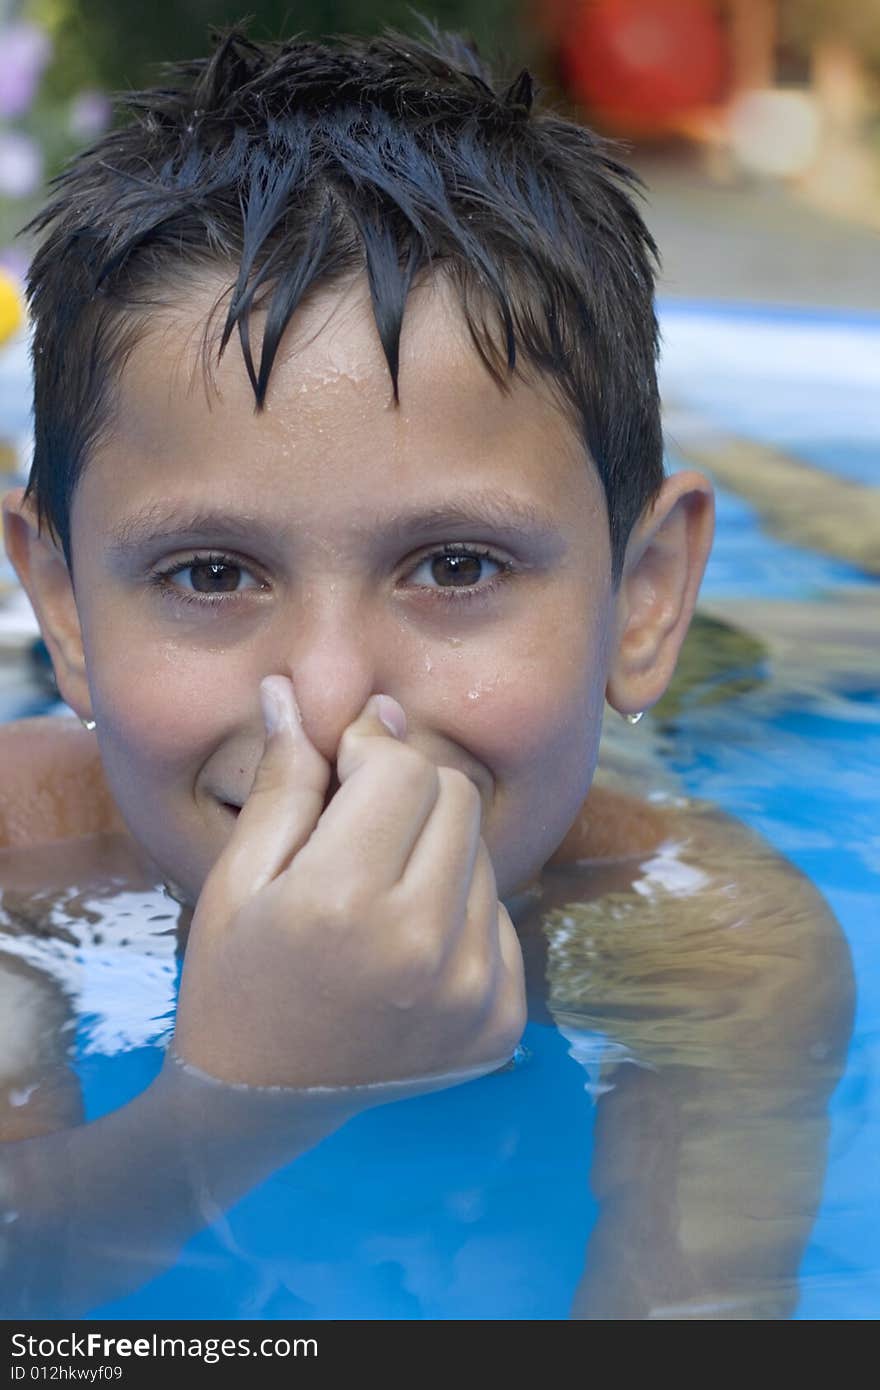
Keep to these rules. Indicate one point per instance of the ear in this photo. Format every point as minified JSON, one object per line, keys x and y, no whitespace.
{"x":664,"y":563}
{"x":42,"y":570}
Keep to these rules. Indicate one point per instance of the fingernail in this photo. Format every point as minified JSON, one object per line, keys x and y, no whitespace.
{"x":279,"y":705}
{"x":391,"y":715}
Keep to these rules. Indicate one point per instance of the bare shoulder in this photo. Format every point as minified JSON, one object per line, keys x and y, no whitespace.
{"x":613,"y":824}
{"x":53,"y":784}
{"x":713,"y":867}
{"x":59,"y":826}
{"x":679,"y":905}
{"x":39,"y":1092}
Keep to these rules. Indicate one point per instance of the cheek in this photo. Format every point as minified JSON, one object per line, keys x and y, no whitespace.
{"x":154,"y":713}
{"x":156,"y":730}
{"x":532,"y":713}
{"x":512,"y":728}
{"x":534,"y":723}
{"x":539,"y":740}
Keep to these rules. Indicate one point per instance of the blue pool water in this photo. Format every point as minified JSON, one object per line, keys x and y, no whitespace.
{"x":807,"y":381}
{"x":476,"y":1202}
{"x":804,"y":771}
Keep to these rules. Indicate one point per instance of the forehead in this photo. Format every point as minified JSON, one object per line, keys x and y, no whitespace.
{"x":329,"y":423}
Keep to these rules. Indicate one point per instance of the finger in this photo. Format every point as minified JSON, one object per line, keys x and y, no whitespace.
{"x":469,"y":955}
{"x":510,"y":951}
{"x":441,"y":867}
{"x":505,"y":1001}
{"x":282,"y":809}
{"x":380,"y":717}
{"x":482,"y":912}
{"x":386,"y":793}
{"x":466,"y":951}
{"x":483,"y":973}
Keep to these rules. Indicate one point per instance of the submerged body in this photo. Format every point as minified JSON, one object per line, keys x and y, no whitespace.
{"x":712,"y":968}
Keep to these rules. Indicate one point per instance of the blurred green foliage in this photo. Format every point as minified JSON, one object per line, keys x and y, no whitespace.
{"x":117,"y":44}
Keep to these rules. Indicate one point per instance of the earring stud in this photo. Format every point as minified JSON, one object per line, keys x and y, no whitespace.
{"x":88,"y":724}
{"x":634,"y":718}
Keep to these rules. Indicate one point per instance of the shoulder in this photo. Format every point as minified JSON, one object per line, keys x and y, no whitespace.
{"x":613,"y":824}
{"x":39,"y":1092}
{"x":707,"y":942}
{"x":53,"y":784}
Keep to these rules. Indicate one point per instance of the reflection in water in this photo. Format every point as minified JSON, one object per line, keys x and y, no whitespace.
{"x":729,"y":1005}
{"x":700,"y":997}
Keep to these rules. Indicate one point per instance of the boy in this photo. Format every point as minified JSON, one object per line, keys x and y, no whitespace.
{"x":421,"y":510}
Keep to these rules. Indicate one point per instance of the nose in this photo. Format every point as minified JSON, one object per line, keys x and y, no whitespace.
{"x":338,"y":656}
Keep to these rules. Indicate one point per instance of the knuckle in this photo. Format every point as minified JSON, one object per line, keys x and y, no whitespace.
{"x":471,"y":985}
{"x":347,"y":904}
{"x":417,"y":967}
{"x":409,"y":766}
{"x":426,"y":954}
{"x":515,"y":1006}
{"x":334,"y":904}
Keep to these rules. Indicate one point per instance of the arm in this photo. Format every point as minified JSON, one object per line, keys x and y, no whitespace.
{"x":734,"y":1000}
{"x":99,"y":1209}
{"x":92,"y":1211}
{"x":706,"y":1198}
{"x":302,"y":980}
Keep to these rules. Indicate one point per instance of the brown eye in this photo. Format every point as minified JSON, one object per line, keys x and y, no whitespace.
{"x":206,"y":579}
{"x":214,"y":578}
{"x":457,"y":569}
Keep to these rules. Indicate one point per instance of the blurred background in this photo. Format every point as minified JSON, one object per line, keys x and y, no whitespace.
{"x":756,"y":123}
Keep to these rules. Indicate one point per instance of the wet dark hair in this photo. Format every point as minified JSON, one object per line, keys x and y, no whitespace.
{"x":290,"y":165}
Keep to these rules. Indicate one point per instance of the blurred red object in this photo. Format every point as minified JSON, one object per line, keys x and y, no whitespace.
{"x":640,"y":65}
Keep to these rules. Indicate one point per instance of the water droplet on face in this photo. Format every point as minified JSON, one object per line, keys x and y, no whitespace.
{"x":429,"y":665}
{"x":482,"y":688}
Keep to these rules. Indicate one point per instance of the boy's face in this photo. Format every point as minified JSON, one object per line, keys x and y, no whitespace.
{"x":338,"y":508}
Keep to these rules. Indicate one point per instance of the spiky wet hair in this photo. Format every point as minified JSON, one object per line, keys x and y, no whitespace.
{"x":287,"y":166}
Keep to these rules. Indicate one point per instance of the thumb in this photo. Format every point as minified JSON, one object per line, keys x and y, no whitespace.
{"x":381,"y":718}
{"x":282,"y":809}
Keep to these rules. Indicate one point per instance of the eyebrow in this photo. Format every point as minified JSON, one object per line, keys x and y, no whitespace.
{"x":501,"y":511}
